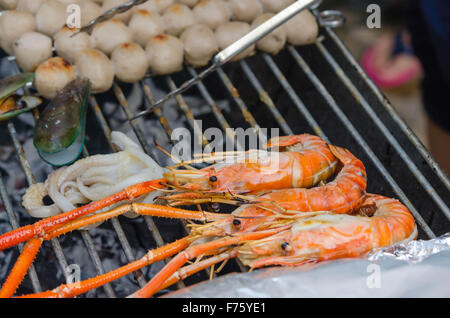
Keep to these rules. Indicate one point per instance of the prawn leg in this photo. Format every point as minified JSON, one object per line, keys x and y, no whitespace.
{"x":30,"y":251}
{"x":20,"y":269}
{"x":78,"y":288}
{"x":195,"y":251}
{"x":40,"y":228}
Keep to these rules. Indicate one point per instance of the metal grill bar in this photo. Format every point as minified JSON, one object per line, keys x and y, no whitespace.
{"x":265,"y":98}
{"x":140,"y":136}
{"x":249,"y":118}
{"x":15,"y":224}
{"x":419,"y":146}
{"x":332,"y":103}
{"x":235,"y":95}
{"x":30,"y":179}
{"x":215,"y":109}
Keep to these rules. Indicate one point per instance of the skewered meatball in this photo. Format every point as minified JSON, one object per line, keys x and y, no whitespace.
{"x":245,"y":10}
{"x":158,"y":6}
{"x":230,"y":32}
{"x":302,"y":29}
{"x":66,"y":45}
{"x":8,"y":4}
{"x":109,"y":4}
{"x":109,"y":34}
{"x":130,"y":62}
{"x":200,"y":44}
{"x":144,"y":24}
{"x":31,"y":49}
{"x":275,"y":6}
{"x":212,"y":13}
{"x":22,"y":21}
{"x":52,"y":75}
{"x":273,"y":42}
{"x":51,"y":17}
{"x":95,"y":65}
{"x":177,"y":18}
{"x":165,"y":54}
{"x":89,"y":11}
{"x":189,"y":3}
{"x":31,"y":6}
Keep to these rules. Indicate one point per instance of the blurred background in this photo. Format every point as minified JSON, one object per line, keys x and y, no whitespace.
{"x":387,"y":54}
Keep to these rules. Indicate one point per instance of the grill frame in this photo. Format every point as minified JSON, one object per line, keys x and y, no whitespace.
{"x":365,"y":93}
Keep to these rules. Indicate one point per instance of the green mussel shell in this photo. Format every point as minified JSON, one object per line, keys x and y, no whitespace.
{"x":59,"y":131}
{"x":11,"y":84}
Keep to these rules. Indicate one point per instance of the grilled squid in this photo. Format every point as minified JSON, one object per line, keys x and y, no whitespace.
{"x":109,"y":34}
{"x":245,"y":10}
{"x":212,"y":13}
{"x":177,"y":18}
{"x":200,"y":44}
{"x":52,"y":76}
{"x":229,"y":33}
{"x":165,"y":54}
{"x":93,"y":178}
{"x":12,"y":25}
{"x":95,"y":65}
{"x":51,"y":17}
{"x":66,"y":44}
{"x":31,"y":49}
{"x":130,"y":62}
{"x":273,"y":42}
{"x":145,"y":24}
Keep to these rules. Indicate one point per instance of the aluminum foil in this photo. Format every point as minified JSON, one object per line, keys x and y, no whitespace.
{"x":417,"y":269}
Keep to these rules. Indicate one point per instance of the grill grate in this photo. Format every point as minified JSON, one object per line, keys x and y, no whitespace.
{"x":319,"y":89}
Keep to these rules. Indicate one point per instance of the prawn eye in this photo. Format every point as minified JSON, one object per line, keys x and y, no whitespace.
{"x":284,"y":245}
{"x":213,"y":178}
{"x":236,"y":222}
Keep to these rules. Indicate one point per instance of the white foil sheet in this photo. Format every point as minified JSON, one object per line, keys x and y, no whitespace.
{"x":416,"y":269}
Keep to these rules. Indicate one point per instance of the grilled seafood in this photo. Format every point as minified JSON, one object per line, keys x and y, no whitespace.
{"x":52,"y":76}
{"x":130,"y":62}
{"x":303,"y":161}
{"x":12,"y":104}
{"x":22,"y":21}
{"x":66,"y":43}
{"x":382,"y":222}
{"x":92,"y":178}
{"x":31,"y":49}
{"x":42,"y":228}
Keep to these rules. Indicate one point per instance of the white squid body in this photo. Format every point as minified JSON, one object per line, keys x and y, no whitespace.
{"x":93,"y":178}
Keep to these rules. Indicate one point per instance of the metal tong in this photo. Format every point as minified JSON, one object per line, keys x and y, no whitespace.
{"x":234,"y":49}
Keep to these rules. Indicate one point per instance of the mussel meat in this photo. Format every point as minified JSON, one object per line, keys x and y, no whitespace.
{"x":12,"y":104}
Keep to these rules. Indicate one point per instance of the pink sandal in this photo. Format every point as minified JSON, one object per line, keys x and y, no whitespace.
{"x":390,"y":62}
